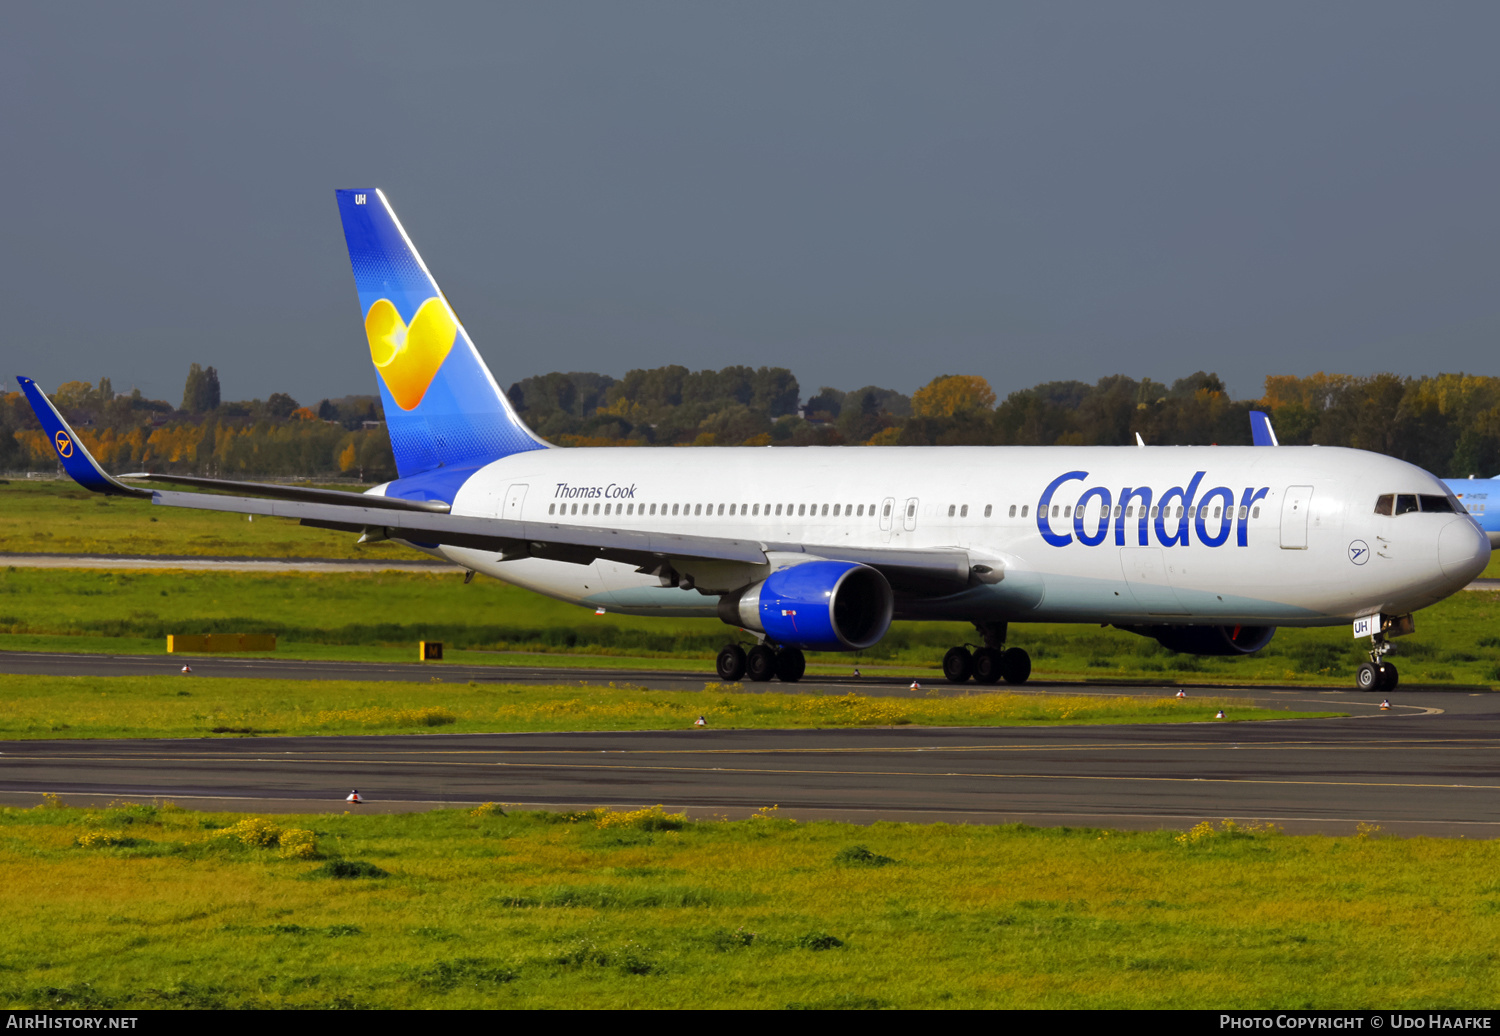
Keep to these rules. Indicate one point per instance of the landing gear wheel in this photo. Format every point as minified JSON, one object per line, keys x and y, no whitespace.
{"x":1015,"y":666}
{"x":790,"y":665}
{"x":731,"y":663}
{"x":760,"y":663}
{"x":958,"y":664}
{"x":1388,"y":676}
{"x":1367,"y":677}
{"x":987,"y":667}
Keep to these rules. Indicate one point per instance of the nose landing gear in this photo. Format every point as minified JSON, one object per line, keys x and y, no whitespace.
{"x":1377,"y":674}
{"x":989,"y":664}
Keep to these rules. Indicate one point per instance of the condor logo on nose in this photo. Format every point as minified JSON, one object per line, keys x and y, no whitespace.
{"x":1211,"y":517}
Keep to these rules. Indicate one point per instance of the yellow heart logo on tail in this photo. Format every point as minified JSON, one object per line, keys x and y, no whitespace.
{"x":408,"y":357}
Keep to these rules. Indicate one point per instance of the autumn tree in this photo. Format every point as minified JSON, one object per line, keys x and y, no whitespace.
{"x":952,"y":394}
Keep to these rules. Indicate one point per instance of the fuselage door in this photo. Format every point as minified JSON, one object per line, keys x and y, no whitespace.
{"x":515,"y":496}
{"x":1294,"y":508}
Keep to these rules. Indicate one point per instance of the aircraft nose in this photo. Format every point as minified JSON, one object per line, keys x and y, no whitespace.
{"x":1463,"y":550}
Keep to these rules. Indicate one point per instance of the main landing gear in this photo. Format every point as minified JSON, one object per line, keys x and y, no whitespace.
{"x":989,"y":664}
{"x":761,"y":663}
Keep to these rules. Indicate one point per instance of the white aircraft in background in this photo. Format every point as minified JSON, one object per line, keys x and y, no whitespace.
{"x":1206,"y":549}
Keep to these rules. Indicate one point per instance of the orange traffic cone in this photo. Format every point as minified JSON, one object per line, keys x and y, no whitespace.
{"x":354,"y":797}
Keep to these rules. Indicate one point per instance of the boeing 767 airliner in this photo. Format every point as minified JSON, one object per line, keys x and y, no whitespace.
{"x":1206,"y":549}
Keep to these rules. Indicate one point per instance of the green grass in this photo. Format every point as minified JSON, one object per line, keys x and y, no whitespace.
{"x":168,"y":908}
{"x":59,"y":517}
{"x":176,"y":706}
{"x":381,"y":617}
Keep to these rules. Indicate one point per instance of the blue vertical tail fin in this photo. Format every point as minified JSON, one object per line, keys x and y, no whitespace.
{"x":1261,"y":432}
{"x":443,"y":408}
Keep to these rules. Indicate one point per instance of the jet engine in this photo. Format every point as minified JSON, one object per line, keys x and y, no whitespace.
{"x":817,"y":605}
{"x":1208,"y":640}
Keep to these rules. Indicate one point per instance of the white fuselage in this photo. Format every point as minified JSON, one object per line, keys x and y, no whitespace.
{"x":1286,"y":536}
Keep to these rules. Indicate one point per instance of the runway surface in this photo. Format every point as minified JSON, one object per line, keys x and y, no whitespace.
{"x":1427,"y":767}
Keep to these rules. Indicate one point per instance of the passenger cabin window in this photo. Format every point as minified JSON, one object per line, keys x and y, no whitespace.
{"x":1024,"y":509}
{"x":1012,"y":510}
{"x":952,"y":509}
{"x":963,"y":512}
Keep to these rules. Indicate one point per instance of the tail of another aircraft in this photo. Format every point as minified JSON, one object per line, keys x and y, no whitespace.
{"x":443,"y":408}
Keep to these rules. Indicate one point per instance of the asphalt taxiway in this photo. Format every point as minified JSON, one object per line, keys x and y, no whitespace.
{"x":1430,"y":765}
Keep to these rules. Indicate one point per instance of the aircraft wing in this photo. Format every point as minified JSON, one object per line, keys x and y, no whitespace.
{"x":925,"y":572}
{"x":930,"y":572}
{"x":513,"y":539}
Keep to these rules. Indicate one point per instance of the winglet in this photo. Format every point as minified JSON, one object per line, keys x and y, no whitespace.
{"x":75,"y":457}
{"x":1261,"y":431}
{"x":1139,"y":441}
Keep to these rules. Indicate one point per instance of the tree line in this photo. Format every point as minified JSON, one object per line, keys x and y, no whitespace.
{"x":1447,"y":423}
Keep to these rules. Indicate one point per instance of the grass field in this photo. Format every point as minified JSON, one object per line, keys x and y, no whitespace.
{"x":382,"y":616}
{"x":148,"y":906}
{"x":171,"y":706}
{"x":59,"y":517}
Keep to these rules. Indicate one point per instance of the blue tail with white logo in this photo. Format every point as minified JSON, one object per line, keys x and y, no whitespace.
{"x":443,"y":408}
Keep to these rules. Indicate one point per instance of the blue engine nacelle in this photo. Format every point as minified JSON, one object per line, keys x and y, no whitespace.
{"x":1208,"y":640}
{"x":817,"y":605}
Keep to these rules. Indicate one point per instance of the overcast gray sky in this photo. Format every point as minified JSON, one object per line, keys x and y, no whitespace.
{"x":863,"y":191}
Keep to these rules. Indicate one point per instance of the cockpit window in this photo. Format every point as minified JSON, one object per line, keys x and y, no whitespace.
{"x":1408,"y":503}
